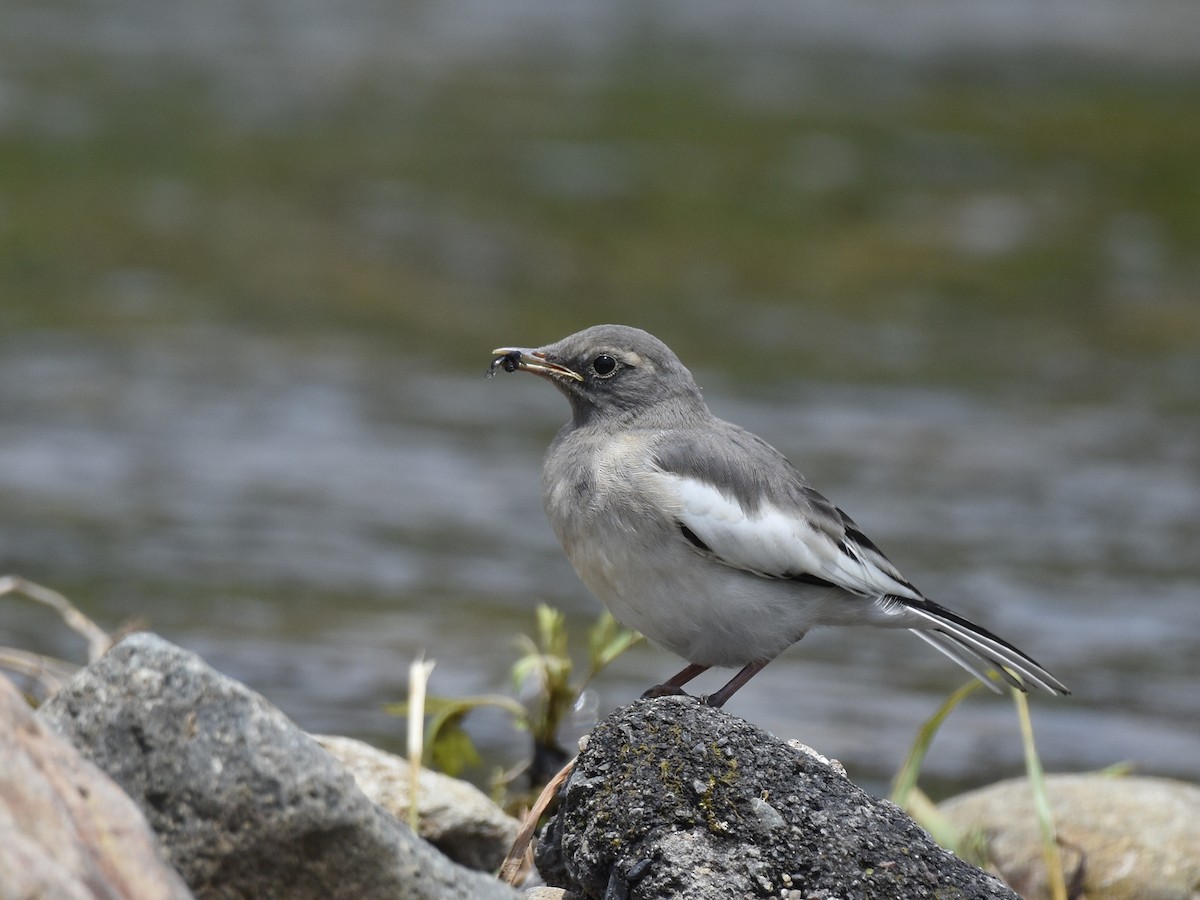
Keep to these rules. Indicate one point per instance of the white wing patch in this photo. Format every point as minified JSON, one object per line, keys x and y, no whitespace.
{"x":775,"y":543}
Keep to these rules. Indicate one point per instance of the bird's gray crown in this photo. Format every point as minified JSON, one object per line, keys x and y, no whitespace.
{"x":626,"y":373}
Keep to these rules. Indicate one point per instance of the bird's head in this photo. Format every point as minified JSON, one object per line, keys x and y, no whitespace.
{"x":611,"y":371}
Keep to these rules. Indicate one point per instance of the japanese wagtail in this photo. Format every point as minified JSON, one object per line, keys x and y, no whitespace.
{"x":703,"y":537}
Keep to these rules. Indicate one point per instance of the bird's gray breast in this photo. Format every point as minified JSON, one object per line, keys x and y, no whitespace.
{"x":589,"y":476}
{"x":605,"y":510}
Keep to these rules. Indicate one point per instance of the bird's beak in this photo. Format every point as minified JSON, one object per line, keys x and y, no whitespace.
{"x":514,"y":358}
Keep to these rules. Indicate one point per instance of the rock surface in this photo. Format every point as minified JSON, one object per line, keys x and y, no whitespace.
{"x":1124,"y":838}
{"x":670,"y":798}
{"x":66,"y":830}
{"x":245,"y":803}
{"x":456,"y":817}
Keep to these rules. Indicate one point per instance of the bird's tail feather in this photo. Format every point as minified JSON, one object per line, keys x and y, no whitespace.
{"x":968,"y":659}
{"x":978,"y":650}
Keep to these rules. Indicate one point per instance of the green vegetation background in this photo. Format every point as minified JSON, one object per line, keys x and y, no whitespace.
{"x":444,"y":209}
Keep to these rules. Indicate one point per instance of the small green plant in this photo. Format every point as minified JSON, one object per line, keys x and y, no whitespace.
{"x":972,"y":847}
{"x":544,"y":672}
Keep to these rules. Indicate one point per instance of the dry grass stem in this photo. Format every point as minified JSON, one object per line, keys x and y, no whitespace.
{"x":98,"y":640}
{"x":515,"y":862}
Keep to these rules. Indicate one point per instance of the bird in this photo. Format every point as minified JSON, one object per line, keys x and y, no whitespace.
{"x":705,"y":538}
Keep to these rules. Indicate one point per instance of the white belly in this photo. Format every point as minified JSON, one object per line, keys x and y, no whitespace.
{"x":700,"y":610}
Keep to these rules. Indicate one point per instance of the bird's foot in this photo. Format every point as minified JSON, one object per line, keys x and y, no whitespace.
{"x":664,"y":690}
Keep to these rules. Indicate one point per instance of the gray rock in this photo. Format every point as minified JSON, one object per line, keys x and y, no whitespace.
{"x":670,"y":798}
{"x":245,"y":803}
{"x":549,"y":893}
{"x":1119,"y":838}
{"x":66,"y":830}
{"x":454,"y":816}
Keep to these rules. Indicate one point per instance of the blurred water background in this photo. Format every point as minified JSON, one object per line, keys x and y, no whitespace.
{"x":254,"y":255}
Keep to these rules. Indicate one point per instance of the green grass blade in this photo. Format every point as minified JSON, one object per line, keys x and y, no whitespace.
{"x":1041,"y":801}
{"x":910,"y":771}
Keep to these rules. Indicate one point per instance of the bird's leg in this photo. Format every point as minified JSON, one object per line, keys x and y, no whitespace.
{"x":673,"y":686}
{"x":747,"y":672}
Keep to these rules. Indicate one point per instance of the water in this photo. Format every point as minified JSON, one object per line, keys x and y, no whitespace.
{"x":310,"y":523}
{"x":252,"y":262}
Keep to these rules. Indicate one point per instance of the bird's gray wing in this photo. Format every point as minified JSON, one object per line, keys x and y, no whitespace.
{"x":737,"y":499}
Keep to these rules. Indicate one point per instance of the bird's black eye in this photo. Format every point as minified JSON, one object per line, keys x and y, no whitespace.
{"x":604,"y":364}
